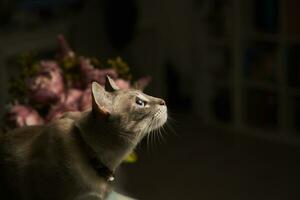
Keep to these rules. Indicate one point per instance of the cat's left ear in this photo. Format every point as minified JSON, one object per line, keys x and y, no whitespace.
{"x":110,"y":85}
{"x":101,"y":101}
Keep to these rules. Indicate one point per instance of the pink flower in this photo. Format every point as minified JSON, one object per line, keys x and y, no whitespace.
{"x":91,"y":74}
{"x":22,"y":115}
{"x":58,"y":110}
{"x":122,"y":84}
{"x":47,"y":85}
{"x":71,"y":98}
{"x":70,"y":101}
{"x":85,"y":64}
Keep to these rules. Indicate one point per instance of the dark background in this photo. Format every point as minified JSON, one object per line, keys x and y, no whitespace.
{"x":228,"y":69}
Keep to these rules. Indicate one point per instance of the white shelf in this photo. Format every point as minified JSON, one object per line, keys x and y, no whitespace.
{"x":283,"y":132}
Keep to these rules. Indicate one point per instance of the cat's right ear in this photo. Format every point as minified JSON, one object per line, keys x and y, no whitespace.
{"x":101,"y":101}
{"x":110,"y":85}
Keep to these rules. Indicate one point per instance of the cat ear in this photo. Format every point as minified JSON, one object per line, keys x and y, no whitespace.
{"x":102,"y":100}
{"x":110,"y":85}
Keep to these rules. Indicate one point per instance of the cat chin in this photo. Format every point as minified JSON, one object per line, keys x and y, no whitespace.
{"x":164,"y":119}
{"x":161,"y":119}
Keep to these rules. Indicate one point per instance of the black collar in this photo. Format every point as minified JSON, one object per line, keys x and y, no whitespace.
{"x":101,"y":169}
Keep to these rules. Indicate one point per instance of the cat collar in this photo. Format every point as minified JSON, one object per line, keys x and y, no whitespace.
{"x":101,"y":169}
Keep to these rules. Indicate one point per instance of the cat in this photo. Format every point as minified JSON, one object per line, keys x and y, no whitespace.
{"x":75,"y":157}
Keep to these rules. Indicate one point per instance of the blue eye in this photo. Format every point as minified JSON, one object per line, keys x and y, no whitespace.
{"x":140,"y":102}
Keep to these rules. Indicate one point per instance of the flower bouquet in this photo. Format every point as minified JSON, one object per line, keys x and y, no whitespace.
{"x":48,"y":88}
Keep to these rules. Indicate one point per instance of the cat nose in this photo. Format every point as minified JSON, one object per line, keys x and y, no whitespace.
{"x":162,"y":102}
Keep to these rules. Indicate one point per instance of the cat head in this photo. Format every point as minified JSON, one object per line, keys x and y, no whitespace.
{"x":131,"y":111}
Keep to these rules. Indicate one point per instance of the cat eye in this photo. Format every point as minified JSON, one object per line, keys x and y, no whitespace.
{"x":140,"y":102}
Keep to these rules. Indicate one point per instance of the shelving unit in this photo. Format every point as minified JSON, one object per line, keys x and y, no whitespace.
{"x":260,"y":72}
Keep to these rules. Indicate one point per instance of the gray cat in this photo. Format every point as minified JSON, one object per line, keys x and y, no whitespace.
{"x":75,"y":156}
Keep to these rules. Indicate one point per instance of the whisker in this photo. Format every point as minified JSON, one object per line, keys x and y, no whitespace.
{"x":164,"y":131}
{"x":149,"y":133}
{"x":150,"y":142}
{"x":172,"y":120}
{"x":147,"y":142}
{"x":170,"y":114}
{"x":153,"y":141}
{"x":155,"y":136}
{"x":158,"y":137}
{"x":172,"y":130}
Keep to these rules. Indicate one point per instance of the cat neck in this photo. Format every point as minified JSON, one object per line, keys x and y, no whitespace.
{"x":105,"y":140}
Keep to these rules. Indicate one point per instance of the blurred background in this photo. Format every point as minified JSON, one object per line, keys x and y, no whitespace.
{"x":228,"y":69}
